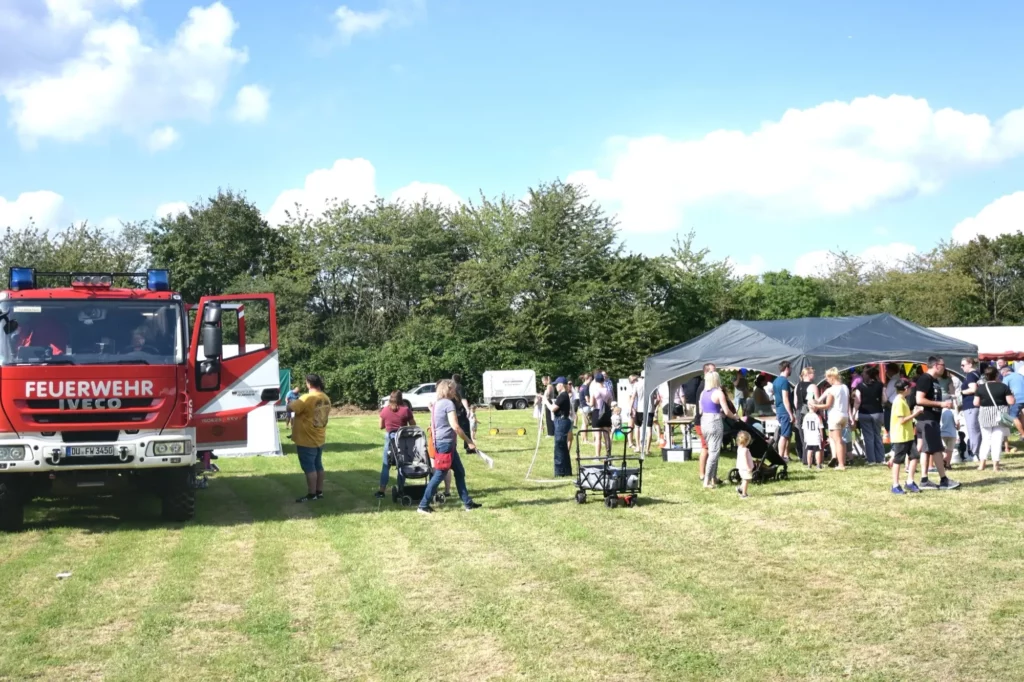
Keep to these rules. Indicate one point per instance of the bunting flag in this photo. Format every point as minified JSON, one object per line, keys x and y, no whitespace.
{"x":908,"y":366}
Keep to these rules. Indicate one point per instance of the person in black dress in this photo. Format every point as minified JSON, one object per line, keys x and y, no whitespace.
{"x":560,"y":410}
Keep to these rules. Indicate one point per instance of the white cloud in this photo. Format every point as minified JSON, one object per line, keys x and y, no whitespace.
{"x":1005,"y":215}
{"x":114,"y":78}
{"x":835,"y":158}
{"x":45,"y":209}
{"x":110,"y":223}
{"x":161,"y":138}
{"x":251,"y":104}
{"x":352,"y":180}
{"x":351,"y":23}
{"x":432,"y":193}
{"x":755,"y":266}
{"x":171,"y":209}
{"x":35,"y":37}
{"x":819,"y":263}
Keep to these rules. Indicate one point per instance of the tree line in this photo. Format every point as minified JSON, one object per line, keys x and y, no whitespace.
{"x":389,"y":295}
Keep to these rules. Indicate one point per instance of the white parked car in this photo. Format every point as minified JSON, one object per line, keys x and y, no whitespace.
{"x":419,"y":398}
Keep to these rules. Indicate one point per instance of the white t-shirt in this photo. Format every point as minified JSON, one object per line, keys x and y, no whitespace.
{"x":638,"y":396}
{"x":744,"y":462}
{"x":890,"y":389}
{"x":812,"y":430}
{"x":840,"y":402}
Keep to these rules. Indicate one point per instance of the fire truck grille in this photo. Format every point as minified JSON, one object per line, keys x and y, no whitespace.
{"x":131,"y":411}
{"x":104,"y":417}
{"x":89,"y":436}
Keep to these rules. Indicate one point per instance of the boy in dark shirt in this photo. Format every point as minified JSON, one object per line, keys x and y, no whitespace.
{"x":929,"y":434}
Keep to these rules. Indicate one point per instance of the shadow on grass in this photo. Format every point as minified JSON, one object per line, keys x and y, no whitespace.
{"x":569,"y":499}
{"x":988,"y":482}
{"x":521,"y":488}
{"x":339,"y":448}
{"x":227,"y":501}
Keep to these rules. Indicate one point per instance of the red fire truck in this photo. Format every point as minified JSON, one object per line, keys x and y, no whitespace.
{"x":105,"y":387}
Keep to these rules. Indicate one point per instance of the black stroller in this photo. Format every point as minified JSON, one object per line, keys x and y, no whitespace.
{"x":407,"y":451}
{"x":768,"y":464}
{"x":618,"y":479}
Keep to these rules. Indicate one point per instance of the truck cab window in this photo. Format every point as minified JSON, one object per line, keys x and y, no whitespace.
{"x":54,"y":331}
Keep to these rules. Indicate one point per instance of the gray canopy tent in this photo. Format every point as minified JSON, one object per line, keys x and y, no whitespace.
{"x":818,"y":342}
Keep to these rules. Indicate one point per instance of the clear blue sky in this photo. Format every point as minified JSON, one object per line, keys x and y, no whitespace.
{"x":496,"y":97}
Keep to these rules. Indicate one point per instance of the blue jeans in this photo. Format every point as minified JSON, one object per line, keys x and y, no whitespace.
{"x":871,"y":429}
{"x":563,"y":465}
{"x":785,"y":424}
{"x":435,"y":480}
{"x":385,"y":470}
{"x":310,"y":459}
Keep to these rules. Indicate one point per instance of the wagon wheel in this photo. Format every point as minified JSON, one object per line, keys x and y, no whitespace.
{"x":783,"y":475}
{"x":609,"y":502}
{"x":734,"y":476}
{"x":441,"y":498}
{"x":394,"y":493}
{"x":406,"y":501}
{"x":581,"y":497}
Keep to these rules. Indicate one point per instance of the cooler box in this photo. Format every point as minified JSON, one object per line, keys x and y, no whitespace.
{"x":676,"y":454}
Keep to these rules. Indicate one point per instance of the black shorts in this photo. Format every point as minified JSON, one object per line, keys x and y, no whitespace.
{"x":638,"y":419}
{"x":900,"y":452}
{"x":931,"y":434}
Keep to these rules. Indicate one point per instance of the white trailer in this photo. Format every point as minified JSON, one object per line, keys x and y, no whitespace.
{"x":510,"y":388}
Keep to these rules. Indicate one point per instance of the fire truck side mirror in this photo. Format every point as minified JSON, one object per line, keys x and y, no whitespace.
{"x":211,"y":314}
{"x":212,"y":334}
{"x":213,"y":342}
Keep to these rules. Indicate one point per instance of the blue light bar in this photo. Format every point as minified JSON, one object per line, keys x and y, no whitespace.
{"x":22,"y":278}
{"x":158,"y":280}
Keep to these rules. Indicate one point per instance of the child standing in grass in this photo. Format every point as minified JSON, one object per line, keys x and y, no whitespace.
{"x":472,"y":422}
{"x":616,"y":419}
{"x":901,"y":434}
{"x":811,"y":428}
{"x":947,"y":427}
{"x":744,"y":462}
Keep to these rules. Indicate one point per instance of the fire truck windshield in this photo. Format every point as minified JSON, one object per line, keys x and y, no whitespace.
{"x":75,"y":332}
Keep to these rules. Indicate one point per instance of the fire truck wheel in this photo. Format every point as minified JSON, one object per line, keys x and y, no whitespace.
{"x":179,"y":498}
{"x":12,"y":508}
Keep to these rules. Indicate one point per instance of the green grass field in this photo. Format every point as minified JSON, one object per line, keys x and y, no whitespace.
{"x":825,"y":576}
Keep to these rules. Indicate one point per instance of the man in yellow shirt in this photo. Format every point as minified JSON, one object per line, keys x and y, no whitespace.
{"x":309,"y":431}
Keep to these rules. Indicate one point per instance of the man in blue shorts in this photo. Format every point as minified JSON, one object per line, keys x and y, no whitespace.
{"x":783,"y":393}
{"x":1015,"y":382}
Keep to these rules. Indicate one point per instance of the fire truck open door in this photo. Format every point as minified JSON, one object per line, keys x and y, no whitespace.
{"x":226,"y":387}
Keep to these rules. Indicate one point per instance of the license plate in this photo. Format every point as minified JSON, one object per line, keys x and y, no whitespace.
{"x":89,"y":450}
